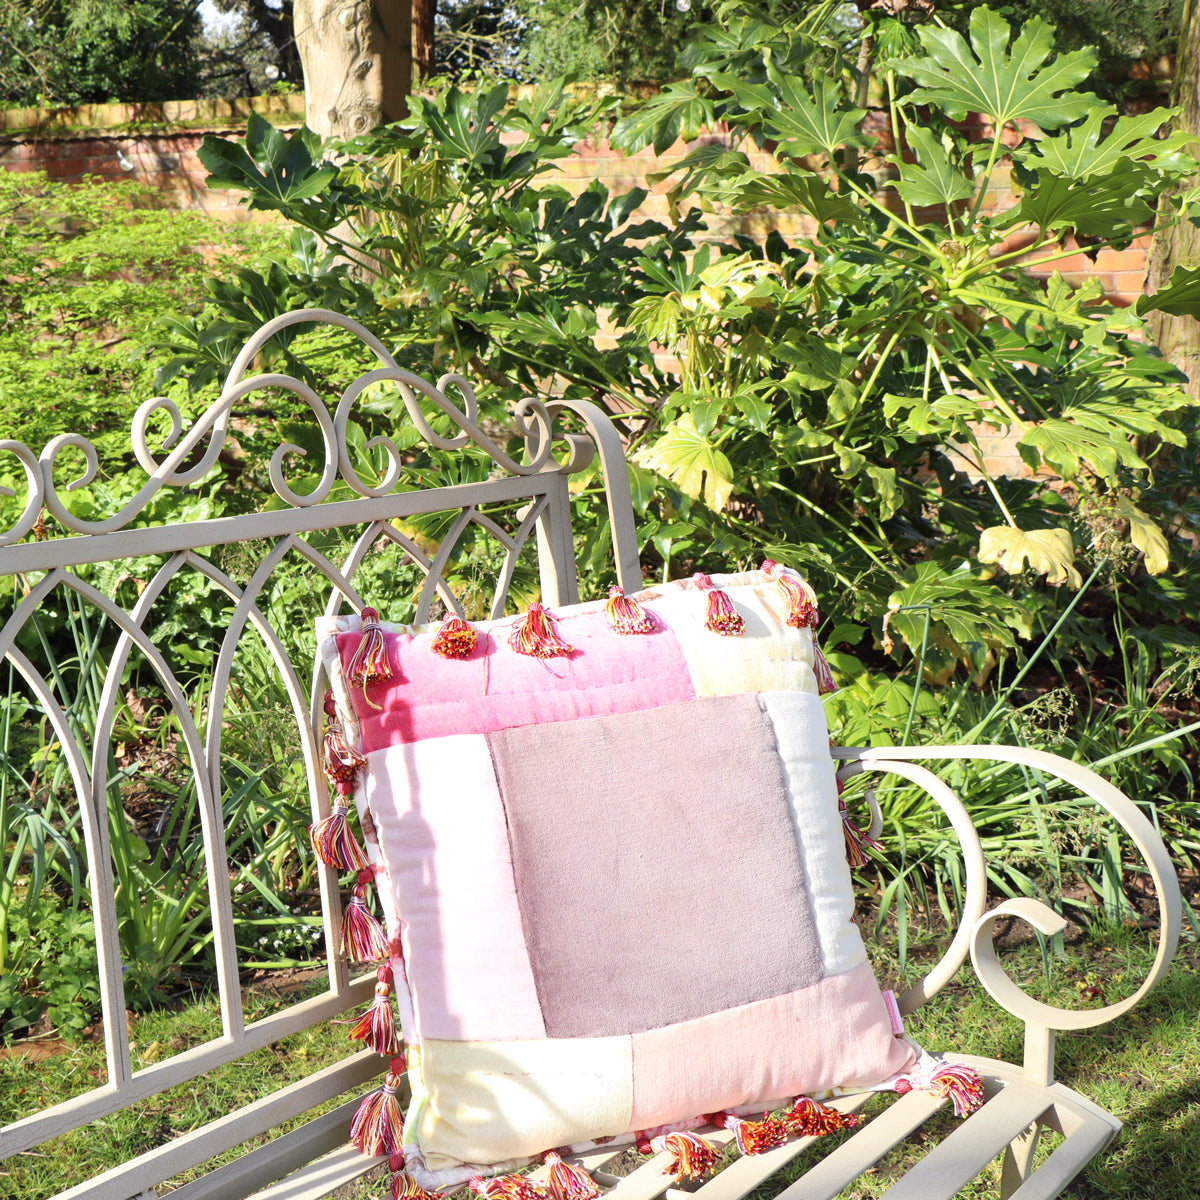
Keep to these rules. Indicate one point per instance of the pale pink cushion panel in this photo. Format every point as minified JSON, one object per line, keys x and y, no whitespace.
{"x":656,"y":869}
{"x":441,"y":828}
{"x":497,"y":688}
{"x":835,"y":1033}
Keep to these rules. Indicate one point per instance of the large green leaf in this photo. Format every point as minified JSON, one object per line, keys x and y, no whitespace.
{"x":1088,"y":150}
{"x":691,"y":461}
{"x":677,"y":112}
{"x":987,"y":77}
{"x":1107,"y":206}
{"x":1180,"y":297}
{"x":935,"y":181}
{"x":789,"y":189}
{"x":1049,"y":552}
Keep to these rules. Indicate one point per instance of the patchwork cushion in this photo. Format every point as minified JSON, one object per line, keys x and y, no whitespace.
{"x":614,"y":881}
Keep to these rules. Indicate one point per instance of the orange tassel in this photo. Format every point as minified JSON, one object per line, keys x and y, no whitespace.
{"x":626,"y":615}
{"x":801,"y":600}
{"x":369,"y":663}
{"x":507,"y":1187}
{"x":379,"y":1123}
{"x":692,"y":1156}
{"x":377,"y":1026}
{"x":752,"y":1137}
{"x":721,"y":616}
{"x":362,"y":935}
{"x":454,"y":638}
{"x":535,"y":635}
{"x":809,"y":1118}
{"x":566,"y":1181}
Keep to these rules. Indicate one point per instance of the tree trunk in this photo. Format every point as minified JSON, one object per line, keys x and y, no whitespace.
{"x":1179,"y":337}
{"x":423,"y":13}
{"x":357,"y":57}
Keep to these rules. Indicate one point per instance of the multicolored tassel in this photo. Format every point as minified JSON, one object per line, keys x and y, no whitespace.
{"x":692,"y":1156}
{"x":454,"y":638}
{"x":721,"y":616}
{"x":362,"y":935}
{"x":535,"y":635}
{"x":377,"y":1026}
{"x":857,"y":842}
{"x":809,"y":1118}
{"x":334,"y":843}
{"x":342,"y":760}
{"x":404,"y":1186}
{"x":825,"y":680}
{"x":507,"y":1187}
{"x":369,"y":663}
{"x":801,"y":600}
{"x":566,"y":1181}
{"x":752,"y":1137}
{"x":379,"y":1122}
{"x":626,"y":615}
{"x":961,"y":1084}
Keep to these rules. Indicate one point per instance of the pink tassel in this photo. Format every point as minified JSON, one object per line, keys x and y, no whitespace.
{"x":642,"y":1143}
{"x":626,"y":615}
{"x":857,"y":842}
{"x":809,"y":1118}
{"x":454,"y":638}
{"x":342,"y":760}
{"x":721,"y":616}
{"x":333,"y":842}
{"x":379,"y":1123}
{"x":801,"y":600}
{"x":567,"y":1181}
{"x":377,"y":1026}
{"x":507,"y":1187}
{"x":752,"y":1137}
{"x":825,"y":680}
{"x":692,"y":1156}
{"x":362,"y":936}
{"x":535,"y":635}
{"x":369,"y":663}
{"x":961,"y":1084}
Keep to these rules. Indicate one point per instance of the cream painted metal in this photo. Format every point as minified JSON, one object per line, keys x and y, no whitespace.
{"x":524,"y":505}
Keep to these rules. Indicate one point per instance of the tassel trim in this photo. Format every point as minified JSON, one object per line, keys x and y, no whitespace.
{"x":961,"y":1084}
{"x":857,"y":842}
{"x":404,"y":1186}
{"x":376,"y":1028}
{"x":626,"y":615}
{"x":454,"y":638}
{"x":507,"y":1187}
{"x":334,"y":843}
{"x":566,"y":1181}
{"x":752,"y":1137}
{"x":362,"y":935}
{"x":801,"y":600}
{"x":379,"y":1123}
{"x":369,"y":663}
{"x":536,"y":635}
{"x":692,"y":1156}
{"x":721,"y":616}
{"x":810,"y":1118}
{"x":825,"y":680}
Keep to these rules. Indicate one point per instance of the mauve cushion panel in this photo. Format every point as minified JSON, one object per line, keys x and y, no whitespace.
{"x":429,"y":696}
{"x":657,"y":873}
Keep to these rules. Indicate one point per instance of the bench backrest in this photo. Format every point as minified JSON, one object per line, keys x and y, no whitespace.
{"x":115,"y":572}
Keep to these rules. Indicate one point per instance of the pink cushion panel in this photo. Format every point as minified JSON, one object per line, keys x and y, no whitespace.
{"x":441,"y":829}
{"x":656,"y":868}
{"x":497,"y":688}
{"x":833,"y":1034}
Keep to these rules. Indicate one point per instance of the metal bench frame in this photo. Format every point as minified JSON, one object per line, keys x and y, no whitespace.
{"x":561,"y":439}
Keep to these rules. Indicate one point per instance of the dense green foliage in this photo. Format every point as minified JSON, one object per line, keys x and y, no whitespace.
{"x":64,"y":52}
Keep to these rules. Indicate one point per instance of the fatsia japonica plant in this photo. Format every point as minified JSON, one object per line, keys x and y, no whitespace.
{"x":835,"y":388}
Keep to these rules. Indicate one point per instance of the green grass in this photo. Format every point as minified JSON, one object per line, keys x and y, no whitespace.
{"x":1145,"y":1068}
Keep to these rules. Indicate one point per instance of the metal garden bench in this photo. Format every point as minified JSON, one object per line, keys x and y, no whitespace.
{"x":525,"y":506}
